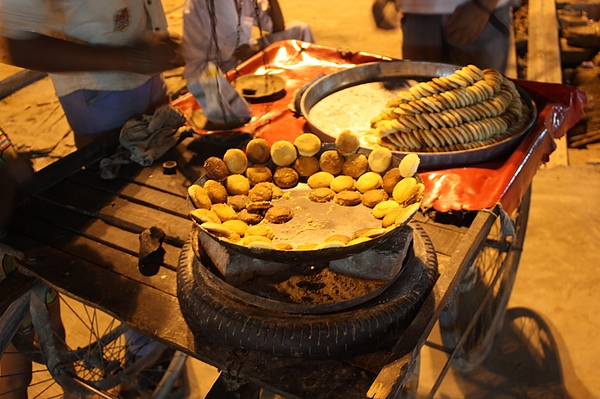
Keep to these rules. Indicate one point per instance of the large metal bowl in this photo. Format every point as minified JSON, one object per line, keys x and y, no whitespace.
{"x":352,"y":97}
{"x":353,"y":221}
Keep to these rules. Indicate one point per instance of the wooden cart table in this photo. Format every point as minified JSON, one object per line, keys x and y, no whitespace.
{"x":80,"y":234}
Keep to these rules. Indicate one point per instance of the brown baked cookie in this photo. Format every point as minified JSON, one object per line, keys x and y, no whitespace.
{"x":285,"y":177}
{"x":238,"y":202}
{"x":261,"y":192}
{"x":261,"y":230}
{"x":259,"y":174}
{"x":237,"y":185}
{"x":355,"y":165}
{"x":279,"y":214}
{"x":216,"y":191}
{"x":258,"y":150}
{"x":322,"y":194}
{"x":348,"y":198}
{"x":374,"y":197}
{"x":332,"y":161}
{"x":306,"y":166}
{"x":249,"y":217}
{"x":390,"y":179}
{"x":216,"y":169}
{"x":258,"y":206}
{"x":236,"y":160}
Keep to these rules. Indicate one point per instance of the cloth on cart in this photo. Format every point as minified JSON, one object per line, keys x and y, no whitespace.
{"x":144,"y":139}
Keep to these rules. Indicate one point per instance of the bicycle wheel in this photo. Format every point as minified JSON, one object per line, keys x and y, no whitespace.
{"x":93,"y":359}
{"x":488,"y":283}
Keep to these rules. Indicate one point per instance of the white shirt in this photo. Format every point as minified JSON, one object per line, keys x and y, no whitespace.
{"x":435,"y":6}
{"x":233,"y":28}
{"x":103,"y":22}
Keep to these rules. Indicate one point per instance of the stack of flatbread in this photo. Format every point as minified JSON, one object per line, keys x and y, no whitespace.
{"x":468,"y":109}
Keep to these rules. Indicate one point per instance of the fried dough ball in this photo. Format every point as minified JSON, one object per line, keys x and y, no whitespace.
{"x":261,"y":192}
{"x":204,"y":216}
{"x":237,"y":226}
{"x":369,"y":181}
{"x":286,"y":177}
{"x":237,"y":184}
{"x":374,"y":197}
{"x":216,"y":169}
{"x":355,"y":165}
{"x":283,"y":153}
{"x":258,"y":150}
{"x":199,"y":196}
{"x":216,"y":191}
{"x":224,"y":212}
{"x":320,"y":179}
{"x":307,"y":144}
{"x":306,"y":165}
{"x":238,"y":202}
{"x":390,"y":179}
{"x":342,"y":182}
{"x":258,"y":174}
{"x":409,"y":165}
{"x":236,"y":160}
{"x":347,"y":143}
{"x":332,"y":161}
{"x":380,"y":159}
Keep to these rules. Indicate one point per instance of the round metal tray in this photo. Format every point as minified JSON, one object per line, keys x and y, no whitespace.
{"x":349,"y":99}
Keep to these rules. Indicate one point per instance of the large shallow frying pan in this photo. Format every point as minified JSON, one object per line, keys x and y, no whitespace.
{"x":349,"y":99}
{"x":312,"y":223}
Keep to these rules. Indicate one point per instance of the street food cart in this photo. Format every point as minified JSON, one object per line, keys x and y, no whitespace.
{"x":80,"y":234}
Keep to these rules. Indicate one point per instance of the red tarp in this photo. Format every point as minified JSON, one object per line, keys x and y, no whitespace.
{"x":467,"y":188}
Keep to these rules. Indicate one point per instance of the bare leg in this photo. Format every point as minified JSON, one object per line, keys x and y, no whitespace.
{"x":15,"y":371}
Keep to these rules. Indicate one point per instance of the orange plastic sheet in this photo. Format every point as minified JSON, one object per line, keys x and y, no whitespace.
{"x":469,"y":188}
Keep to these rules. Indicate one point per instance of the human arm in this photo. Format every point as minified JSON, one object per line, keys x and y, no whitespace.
{"x":276,"y":16}
{"x":468,"y":21}
{"x":49,"y":54}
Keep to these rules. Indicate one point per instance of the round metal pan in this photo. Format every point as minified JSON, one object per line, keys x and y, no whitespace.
{"x":349,"y":99}
{"x":308,"y":213}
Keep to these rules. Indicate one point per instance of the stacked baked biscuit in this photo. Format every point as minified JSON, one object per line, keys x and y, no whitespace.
{"x":468,"y":109}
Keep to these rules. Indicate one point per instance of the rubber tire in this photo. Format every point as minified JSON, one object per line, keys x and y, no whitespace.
{"x":496,"y":251}
{"x":212,"y":311}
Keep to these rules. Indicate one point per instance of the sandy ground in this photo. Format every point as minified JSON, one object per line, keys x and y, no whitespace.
{"x":557,"y":280}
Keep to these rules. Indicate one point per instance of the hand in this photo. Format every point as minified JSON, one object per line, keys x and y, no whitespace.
{"x":155,"y":55}
{"x":466,"y":24}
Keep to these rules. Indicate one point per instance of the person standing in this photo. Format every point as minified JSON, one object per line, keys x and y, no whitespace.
{"x":105,"y":58}
{"x":459,"y":32}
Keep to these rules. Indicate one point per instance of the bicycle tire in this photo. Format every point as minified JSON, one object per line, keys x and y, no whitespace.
{"x":85,"y":370}
{"x":210,"y":309}
{"x":498,"y":251}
